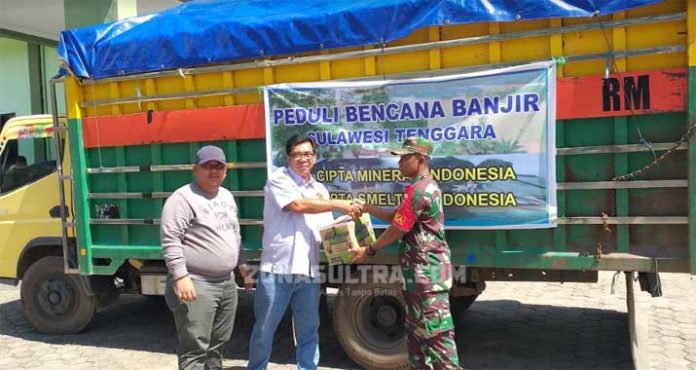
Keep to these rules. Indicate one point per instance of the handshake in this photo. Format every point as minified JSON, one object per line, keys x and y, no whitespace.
{"x":353,"y":208}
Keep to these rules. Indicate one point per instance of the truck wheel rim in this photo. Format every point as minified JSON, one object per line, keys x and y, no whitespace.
{"x":380,"y":321}
{"x":56,"y":297}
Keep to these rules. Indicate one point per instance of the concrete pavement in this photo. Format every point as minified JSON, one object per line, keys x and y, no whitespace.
{"x":511,"y":326}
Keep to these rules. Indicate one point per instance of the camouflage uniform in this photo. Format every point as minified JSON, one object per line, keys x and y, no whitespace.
{"x":427,"y":271}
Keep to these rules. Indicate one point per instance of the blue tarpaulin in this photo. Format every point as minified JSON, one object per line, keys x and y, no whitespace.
{"x":205,"y":32}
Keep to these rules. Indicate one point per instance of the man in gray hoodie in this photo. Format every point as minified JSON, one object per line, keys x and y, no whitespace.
{"x":201,"y":242}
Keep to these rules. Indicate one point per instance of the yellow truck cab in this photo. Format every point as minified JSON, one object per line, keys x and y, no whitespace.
{"x":32,"y":242}
{"x":29,"y":205}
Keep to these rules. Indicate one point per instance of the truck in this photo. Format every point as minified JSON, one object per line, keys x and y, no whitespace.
{"x":80,"y":223}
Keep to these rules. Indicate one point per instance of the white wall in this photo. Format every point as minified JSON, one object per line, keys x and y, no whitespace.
{"x":14,"y":77}
{"x":42,"y":18}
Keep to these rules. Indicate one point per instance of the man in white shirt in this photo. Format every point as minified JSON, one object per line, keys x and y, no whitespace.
{"x":296,"y":206}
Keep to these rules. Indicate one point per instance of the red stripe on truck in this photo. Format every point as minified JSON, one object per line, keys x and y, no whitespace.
{"x":624,"y":94}
{"x":205,"y":124}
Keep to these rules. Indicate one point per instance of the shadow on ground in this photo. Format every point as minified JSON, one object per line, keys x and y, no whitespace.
{"x":501,"y":334}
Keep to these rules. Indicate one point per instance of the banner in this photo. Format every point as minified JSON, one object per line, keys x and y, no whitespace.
{"x":493,"y":136}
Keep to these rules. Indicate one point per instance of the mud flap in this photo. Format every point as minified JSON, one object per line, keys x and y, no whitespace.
{"x":637,"y":327}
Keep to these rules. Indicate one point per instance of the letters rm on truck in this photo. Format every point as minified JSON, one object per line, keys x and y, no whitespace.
{"x":143,"y":94}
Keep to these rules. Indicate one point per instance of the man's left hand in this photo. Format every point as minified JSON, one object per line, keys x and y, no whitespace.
{"x":359,"y":254}
{"x":248,"y":276}
{"x":358,"y":208}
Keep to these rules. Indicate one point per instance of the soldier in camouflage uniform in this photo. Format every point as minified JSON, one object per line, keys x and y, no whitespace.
{"x":425,"y":260}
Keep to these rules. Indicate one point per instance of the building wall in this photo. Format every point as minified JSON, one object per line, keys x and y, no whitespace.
{"x":14,"y":79}
{"x":51,"y":65}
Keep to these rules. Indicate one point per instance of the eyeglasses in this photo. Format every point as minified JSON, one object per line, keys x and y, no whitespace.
{"x":298,"y":155}
{"x":213,"y":166}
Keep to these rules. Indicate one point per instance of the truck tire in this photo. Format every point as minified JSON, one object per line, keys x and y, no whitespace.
{"x":55,"y":303}
{"x":368,"y":320}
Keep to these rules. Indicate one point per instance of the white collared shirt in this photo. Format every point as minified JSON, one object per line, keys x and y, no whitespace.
{"x":290,"y":239}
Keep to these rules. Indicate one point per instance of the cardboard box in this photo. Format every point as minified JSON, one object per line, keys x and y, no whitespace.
{"x":345,"y":234}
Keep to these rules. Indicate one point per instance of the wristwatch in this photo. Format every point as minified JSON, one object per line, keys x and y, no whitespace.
{"x":371,"y":251}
